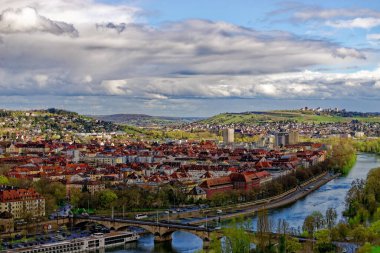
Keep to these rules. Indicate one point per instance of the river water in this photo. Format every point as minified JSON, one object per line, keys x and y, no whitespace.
{"x":331,"y":194}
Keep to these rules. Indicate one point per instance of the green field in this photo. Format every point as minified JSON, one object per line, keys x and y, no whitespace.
{"x":276,"y":116}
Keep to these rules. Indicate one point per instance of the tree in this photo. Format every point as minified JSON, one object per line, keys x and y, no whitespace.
{"x":343,"y":156}
{"x":75,"y":196}
{"x":309,"y":225}
{"x":282,"y":227}
{"x":318,"y":219}
{"x":237,"y":240}
{"x":366,"y":248}
{"x":331,"y":217}
{"x":4,"y":180}
{"x":324,"y":241}
{"x":293,"y":245}
{"x":53,"y":192}
{"x":263,"y":234}
{"x":359,"y":233}
{"x":313,"y":222}
{"x":340,"y":231}
{"x":106,"y":198}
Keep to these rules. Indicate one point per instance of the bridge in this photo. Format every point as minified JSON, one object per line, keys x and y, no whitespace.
{"x":162,"y":231}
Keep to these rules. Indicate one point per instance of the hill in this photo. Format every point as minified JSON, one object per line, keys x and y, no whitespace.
{"x":143,"y":120}
{"x":247,"y":118}
{"x":52,"y":121}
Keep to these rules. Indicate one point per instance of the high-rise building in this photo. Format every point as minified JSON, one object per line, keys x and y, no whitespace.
{"x":293,"y":137}
{"x":281,"y":139}
{"x":285,"y":138}
{"x":228,"y":135}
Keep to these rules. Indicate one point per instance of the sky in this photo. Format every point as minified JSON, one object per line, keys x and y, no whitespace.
{"x":189,"y":58}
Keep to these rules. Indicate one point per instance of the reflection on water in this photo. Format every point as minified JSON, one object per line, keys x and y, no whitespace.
{"x":330,"y":195}
{"x":182,"y":243}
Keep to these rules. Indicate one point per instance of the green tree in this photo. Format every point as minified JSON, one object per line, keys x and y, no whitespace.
{"x":366,"y":248}
{"x":293,"y":245}
{"x":107,"y":198}
{"x":237,"y":239}
{"x":313,"y":222}
{"x":75,"y":196}
{"x":4,"y":180}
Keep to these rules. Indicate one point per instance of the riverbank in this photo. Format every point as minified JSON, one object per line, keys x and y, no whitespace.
{"x":278,"y":201}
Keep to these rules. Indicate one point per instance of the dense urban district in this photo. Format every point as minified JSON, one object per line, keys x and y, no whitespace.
{"x":59,"y":165}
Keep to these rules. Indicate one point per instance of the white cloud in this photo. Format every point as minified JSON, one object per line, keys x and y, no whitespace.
{"x":78,"y":11}
{"x":374,"y":38}
{"x":115,"y":87}
{"x":28,"y":20}
{"x":309,"y":13}
{"x":364,"y":23}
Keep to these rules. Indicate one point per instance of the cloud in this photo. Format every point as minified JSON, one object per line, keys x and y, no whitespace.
{"x":343,"y":52}
{"x":116,"y":56}
{"x":28,"y":20}
{"x":305,"y":13}
{"x":374,"y":38}
{"x":78,"y":12}
{"x":178,"y":59}
{"x":364,"y":23}
{"x":341,"y":18}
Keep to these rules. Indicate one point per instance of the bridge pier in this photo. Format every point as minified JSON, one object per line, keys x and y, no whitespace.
{"x":163,"y":238}
{"x":206,"y":243}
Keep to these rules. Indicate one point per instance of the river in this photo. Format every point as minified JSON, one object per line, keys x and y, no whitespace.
{"x":331,"y":194}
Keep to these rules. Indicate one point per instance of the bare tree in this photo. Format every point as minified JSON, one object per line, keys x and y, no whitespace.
{"x":331,"y":217}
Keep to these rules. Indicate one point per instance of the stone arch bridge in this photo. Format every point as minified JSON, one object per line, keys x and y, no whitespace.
{"x":162,"y":231}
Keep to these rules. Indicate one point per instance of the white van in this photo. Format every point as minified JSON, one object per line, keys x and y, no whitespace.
{"x":140,"y":216}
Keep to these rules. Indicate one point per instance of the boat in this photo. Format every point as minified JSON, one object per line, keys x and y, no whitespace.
{"x":93,"y":243}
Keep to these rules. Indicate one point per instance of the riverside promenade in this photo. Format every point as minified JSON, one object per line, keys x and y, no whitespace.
{"x":284,"y":199}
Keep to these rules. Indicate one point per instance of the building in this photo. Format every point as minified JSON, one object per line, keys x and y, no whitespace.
{"x":281,"y":139}
{"x":197,"y":193}
{"x":104,"y":160}
{"x":235,"y":181}
{"x":294,"y":137}
{"x":228,"y":135}
{"x":21,"y":202}
{"x":27,"y":148}
{"x":359,"y":134}
{"x":91,"y":186}
{"x":286,"y":138}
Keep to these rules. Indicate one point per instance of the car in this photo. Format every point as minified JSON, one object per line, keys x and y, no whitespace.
{"x":219,"y":211}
